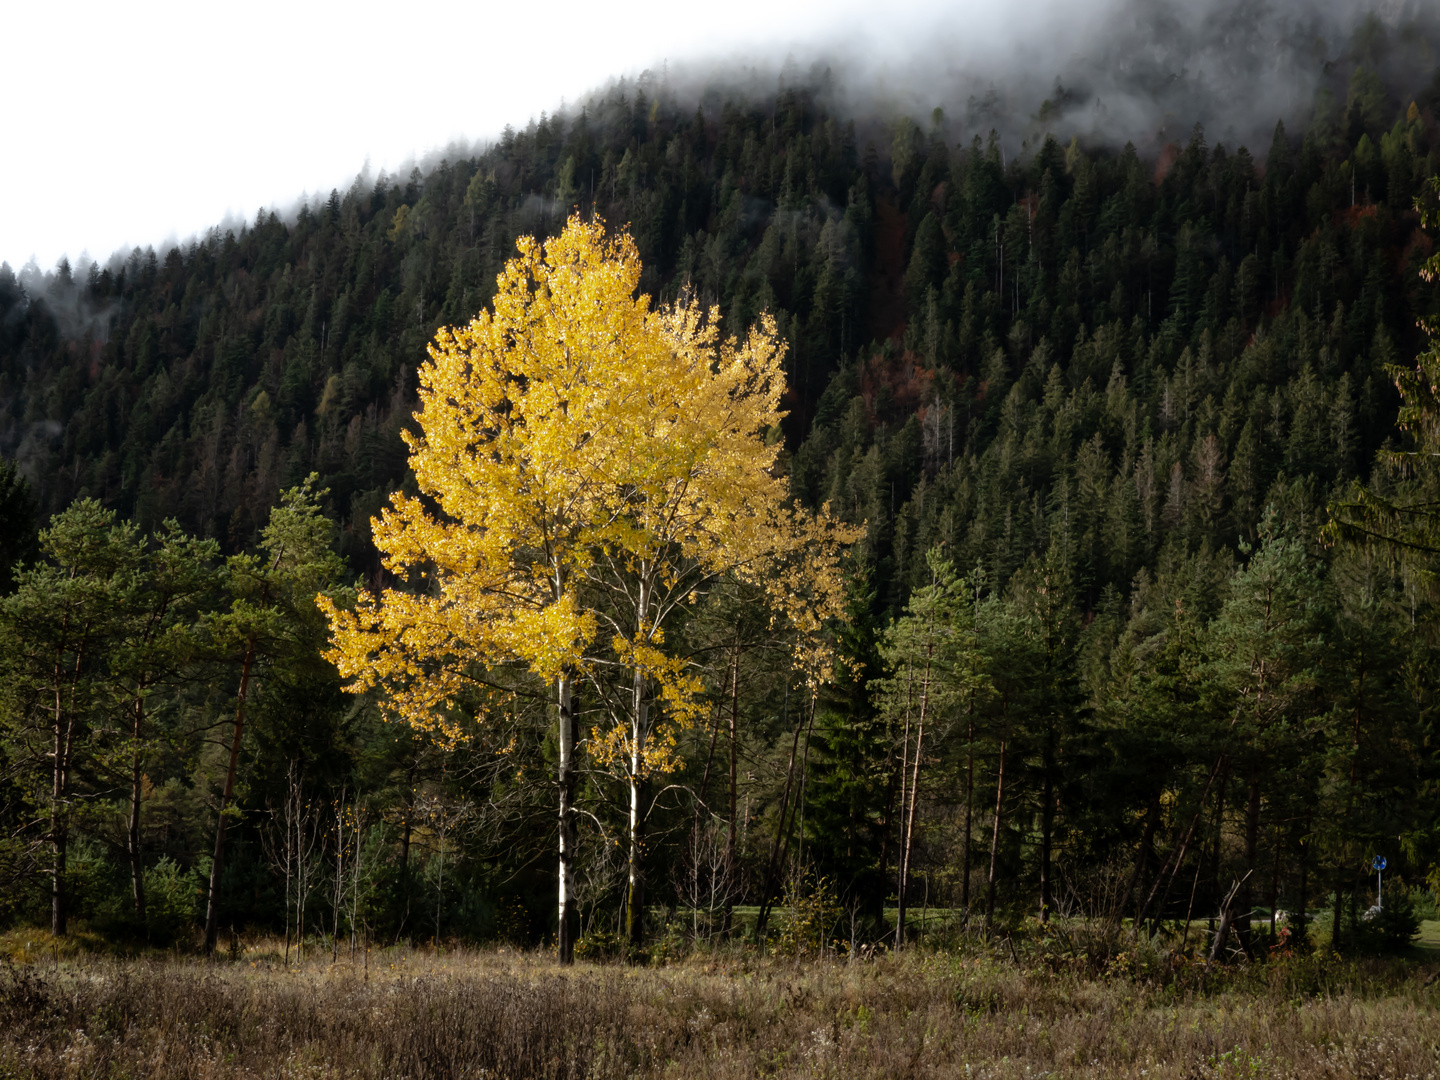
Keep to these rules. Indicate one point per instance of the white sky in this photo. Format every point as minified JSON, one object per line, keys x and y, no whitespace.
{"x":137,"y":123}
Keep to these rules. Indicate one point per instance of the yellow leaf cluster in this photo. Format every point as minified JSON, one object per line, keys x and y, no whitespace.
{"x":679,"y":690}
{"x":574,"y":443}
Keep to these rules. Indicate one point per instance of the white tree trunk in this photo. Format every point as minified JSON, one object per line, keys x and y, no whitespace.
{"x":565,"y":936}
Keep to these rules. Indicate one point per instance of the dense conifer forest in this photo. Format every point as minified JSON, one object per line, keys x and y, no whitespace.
{"x":1098,"y":407}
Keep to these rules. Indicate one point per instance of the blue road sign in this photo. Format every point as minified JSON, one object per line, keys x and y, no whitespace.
{"x":1379,"y":862}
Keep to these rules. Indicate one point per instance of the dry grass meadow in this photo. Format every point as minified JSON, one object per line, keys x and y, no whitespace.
{"x":976,"y":1012}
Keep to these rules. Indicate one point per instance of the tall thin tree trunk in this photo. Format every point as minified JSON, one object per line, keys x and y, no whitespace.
{"x":1190,"y":907}
{"x":775,"y":850}
{"x":639,"y":733}
{"x":292,"y":846}
{"x":995,"y":840}
{"x":1047,"y":827}
{"x":910,"y":813}
{"x":730,"y":846}
{"x":969,"y":810}
{"x":787,"y":824}
{"x":910,"y":828}
{"x":635,"y":888}
{"x":1274,"y":896}
{"x":695,"y":836}
{"x":709,"y":762}
{"x":440,"y":879}
{"x":217,"y":864}
{"x":59,"y":831}
{"x":1152,"y":818}
{"x":1176,"y":856}
{"x":565,"y":935}
{"x":64,"y":748}
{"x":1252,"y":852}
{"x":1301,"y":920}
{"x":337,"y":893}
{"x":635,"y":881}
{"x":904,"y":808}
{"x":800,"y":796}
{"x":1215,"y":854}
{"x":132,"y":833}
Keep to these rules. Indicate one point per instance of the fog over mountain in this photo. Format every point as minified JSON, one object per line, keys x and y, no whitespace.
{"x":1109,"y":71}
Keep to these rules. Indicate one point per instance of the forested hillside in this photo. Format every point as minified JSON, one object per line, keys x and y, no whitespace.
{"x":1113,"y":389}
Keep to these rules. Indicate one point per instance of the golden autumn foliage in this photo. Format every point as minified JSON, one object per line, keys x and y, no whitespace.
{"x":595,"y":462}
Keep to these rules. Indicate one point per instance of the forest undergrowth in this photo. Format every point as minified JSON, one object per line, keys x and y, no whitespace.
{"x":977,"y":1010}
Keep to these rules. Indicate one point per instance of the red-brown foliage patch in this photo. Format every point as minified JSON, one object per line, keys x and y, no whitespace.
{"x":1165,"y":161}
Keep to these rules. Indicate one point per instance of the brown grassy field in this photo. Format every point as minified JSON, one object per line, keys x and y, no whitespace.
{"x":979,"y":1012}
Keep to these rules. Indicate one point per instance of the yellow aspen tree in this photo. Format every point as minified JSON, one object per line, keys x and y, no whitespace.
{"x":595,"y":462}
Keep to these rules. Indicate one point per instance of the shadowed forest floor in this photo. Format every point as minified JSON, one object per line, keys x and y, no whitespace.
{"x":500,"y":1013}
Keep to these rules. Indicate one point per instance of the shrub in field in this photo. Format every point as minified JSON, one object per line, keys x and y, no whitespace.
{"x":91,"y":885}
{"x":513,"y":923}
{"x":598,"y":945}
{"x":169,"y":901}
{"x":672,"y":944}
{"x":808,"y":918}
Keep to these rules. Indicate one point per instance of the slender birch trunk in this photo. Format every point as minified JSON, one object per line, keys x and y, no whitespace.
{"x":565,"y":936}
{"x":635,"y":890}
{"x":640,"y":705}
